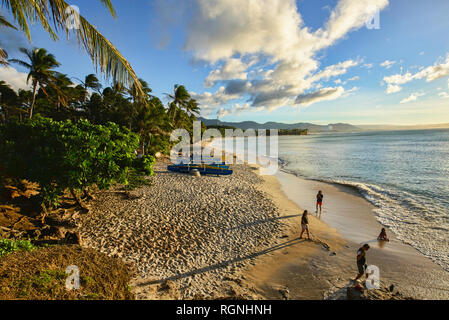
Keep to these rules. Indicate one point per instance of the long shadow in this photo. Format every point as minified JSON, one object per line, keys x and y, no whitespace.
{"x":226,"y":263}
{"x":184,"y":174}
{"x":162,"y":171}
{"x":255,"y":223}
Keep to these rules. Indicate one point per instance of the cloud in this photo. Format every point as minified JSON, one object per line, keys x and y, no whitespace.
{"x":339,"y":81}
{"x":232,"y":69}
{"x":412,"y":97}
{"x":236,"y":109}
{"x":271,"y":33}
{"x":334,"y":70}
{"x":392,"y":88}
{"x":444,"y":95}
{"x":387,"y":64}
{"x":324,"y":94}
{"x":16,"y":79}
{"x":213,"y":101}
{"x":237,"y":87}
{"x":350,"y":15}
{"x":431,"y":73}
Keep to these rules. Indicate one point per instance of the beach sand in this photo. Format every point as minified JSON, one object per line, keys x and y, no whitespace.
{"x":238,"y":237}
{"x":352,"y":216}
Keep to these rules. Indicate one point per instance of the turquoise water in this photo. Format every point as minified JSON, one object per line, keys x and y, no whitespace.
{"x":405,"y":174}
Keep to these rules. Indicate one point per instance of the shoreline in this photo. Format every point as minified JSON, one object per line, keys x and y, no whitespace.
{"x":234,"y":237}
{"x":352,"y":216}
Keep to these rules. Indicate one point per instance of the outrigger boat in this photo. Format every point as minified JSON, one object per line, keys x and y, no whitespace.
{"x":203,"y":168}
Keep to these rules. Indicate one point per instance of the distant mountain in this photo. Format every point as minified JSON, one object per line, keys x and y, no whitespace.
{"x":386,"y":127}
{"x":313,"y":128}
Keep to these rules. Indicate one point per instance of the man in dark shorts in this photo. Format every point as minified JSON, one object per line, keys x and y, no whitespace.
{"x":319,"y":201}
{"x":361,"y":261}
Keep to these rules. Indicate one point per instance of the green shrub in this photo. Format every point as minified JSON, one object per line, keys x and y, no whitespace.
{"x":69,"y":155}
{"x":10,"y":246}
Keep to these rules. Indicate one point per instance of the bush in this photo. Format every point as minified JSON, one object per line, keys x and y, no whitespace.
{"x":69,"y":155}
{"x":10,"y":246}
{"x":145,"y":165}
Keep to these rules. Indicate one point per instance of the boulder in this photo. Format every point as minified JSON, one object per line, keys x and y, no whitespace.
{"x":73,"y":238}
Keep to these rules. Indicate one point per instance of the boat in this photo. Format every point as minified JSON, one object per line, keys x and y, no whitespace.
{"x":220,"y":169}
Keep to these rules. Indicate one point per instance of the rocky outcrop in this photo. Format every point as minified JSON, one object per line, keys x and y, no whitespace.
{"x":360,"y":293}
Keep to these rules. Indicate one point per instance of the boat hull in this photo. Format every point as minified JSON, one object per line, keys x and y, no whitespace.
{"x":220,"y":170}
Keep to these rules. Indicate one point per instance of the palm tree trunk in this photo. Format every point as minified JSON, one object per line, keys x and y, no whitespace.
{"x":34,"y":99}
{"x":174,"y":115}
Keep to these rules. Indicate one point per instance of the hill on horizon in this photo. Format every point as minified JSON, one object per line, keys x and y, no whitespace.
{"x":313,"y":128}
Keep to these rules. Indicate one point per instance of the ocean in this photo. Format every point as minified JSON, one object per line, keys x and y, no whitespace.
{"x":404,"y":174}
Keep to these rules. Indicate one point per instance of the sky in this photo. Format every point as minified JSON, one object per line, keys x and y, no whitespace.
{"x":353,"y":61}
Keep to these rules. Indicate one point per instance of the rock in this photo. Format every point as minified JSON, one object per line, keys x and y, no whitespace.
{"x":354,"y":293}
{"x":58,"y":232}
{"x":333,"y":253}
{"x":285,"y":293}
{"x":73,"y":238}
{"x":360,"y":293}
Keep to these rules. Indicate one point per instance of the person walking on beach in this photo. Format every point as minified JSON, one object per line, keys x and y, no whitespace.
{"x":361,"y":261}
{"x":305,"y":225}
{"x":319,"y":201}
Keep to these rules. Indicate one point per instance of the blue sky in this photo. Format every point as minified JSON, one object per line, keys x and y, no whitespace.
{"x":277,"y":60}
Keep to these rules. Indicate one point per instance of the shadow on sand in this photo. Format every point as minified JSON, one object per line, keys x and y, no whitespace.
{"x":255,"y":223}
{"x":226,"y":263}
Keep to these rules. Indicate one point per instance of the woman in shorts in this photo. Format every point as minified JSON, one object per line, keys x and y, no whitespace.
{"x":305,"y":225}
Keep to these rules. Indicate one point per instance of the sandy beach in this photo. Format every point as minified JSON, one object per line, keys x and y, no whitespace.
{"x":238,"y":237}
{"x":347,"y":212}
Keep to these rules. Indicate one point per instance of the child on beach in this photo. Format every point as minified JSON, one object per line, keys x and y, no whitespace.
{"x":383,"y":236}
{"x":305,"y":225}
{"x":319,"y":201}
{"x":361,"y":261}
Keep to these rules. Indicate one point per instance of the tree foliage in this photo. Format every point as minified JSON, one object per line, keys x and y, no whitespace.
{"x":53,"y":16}
{"x":69,"y":155}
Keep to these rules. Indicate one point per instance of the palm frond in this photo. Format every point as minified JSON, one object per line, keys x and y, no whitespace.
{"x":22,"y":63}
{"x":4,"y":22}
{"x":3,"y":57}
{"x":103,"y":53}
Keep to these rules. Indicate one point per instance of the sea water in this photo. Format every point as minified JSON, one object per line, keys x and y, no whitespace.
{"x":404,"y":174}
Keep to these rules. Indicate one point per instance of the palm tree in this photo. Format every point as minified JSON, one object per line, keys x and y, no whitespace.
{"x":193,"y":107}
{"x":179,"y":98}
{"x":91,"y":82}
{"x":62,"y":87}
{"x":137,"y":100}
{"x":53,"y":16}
{"x":40,"y":67}
{"x":149,"y":121}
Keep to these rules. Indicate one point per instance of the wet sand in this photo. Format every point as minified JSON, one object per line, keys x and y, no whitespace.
{"x":351,"y":216}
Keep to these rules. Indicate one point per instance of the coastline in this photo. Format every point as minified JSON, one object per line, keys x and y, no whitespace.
{"x":346,"y":211}
{"x":238,"y":237}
